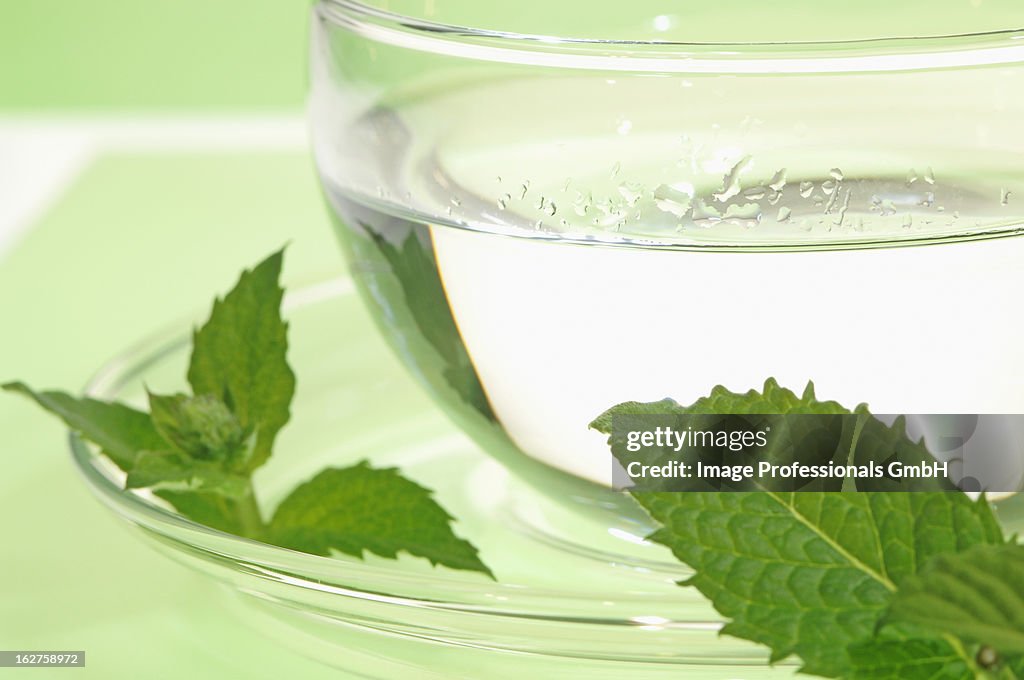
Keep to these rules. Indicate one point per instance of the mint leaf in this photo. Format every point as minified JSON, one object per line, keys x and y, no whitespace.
{"x":879,"y":442}
{"x":899,"y":658}
{"x":359,"y":508}
{"x":811,"y":573}
{"x":201,"y":427}
{"x":120,"y":431}
{"x":859,"y":439}
{"x":807,"y":440}
{"x":976,"y":595}
{"x":807,"y":574}
{"x":771,"y":399}
{"x":158,"y":469}
{"x":239,"y":356}
{"x":404,"y":279}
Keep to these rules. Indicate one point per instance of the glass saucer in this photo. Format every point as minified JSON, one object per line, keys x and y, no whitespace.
{"x":573,"y":597}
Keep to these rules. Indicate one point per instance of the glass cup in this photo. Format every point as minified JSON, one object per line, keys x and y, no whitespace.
{"x":553,"y":208}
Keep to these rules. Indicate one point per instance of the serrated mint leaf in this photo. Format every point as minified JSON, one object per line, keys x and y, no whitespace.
{"x":811,"y":573}
{"x":883,"y":443}
{"x":162,"y":468}
{"x":359,"y":508}
{"x":408,"y":283}
{"x":120,"y":431}
{"x":928,"y":658}
{"x":772,"y":399}
{"x":976,"y":595}
{"x":813,"y":440}
{"x":238,"y":356}
{"x":803,"y":429}
{"x":201,"y":427}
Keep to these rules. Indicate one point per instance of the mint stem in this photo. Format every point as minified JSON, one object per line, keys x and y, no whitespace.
{"x":247,"y":513}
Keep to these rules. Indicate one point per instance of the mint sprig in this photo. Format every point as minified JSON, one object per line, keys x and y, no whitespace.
{"x":198,"y":451}
{"x":814,"y":574}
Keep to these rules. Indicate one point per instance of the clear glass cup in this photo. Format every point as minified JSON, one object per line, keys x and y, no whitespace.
{"x":553,"y":208}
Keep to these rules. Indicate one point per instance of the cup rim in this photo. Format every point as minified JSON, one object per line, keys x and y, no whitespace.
{"x":898,"y":53}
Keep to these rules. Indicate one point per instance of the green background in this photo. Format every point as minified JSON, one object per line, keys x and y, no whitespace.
{"x":137,"y":241}
{"x":172,"y":55}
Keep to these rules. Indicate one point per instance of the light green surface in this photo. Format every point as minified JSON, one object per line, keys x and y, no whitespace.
{"x":136,"y":243}
{"x":91,"y":55}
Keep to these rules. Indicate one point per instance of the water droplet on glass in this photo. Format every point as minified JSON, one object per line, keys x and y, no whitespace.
{"x":582,"y":203}
{"x":456,"y":202}
{"x":731,"y":181}
{"x":828,"y":186}
{"x":784,"y":214}
{"x":774,"y":197}
{"x":806,"y":189}
{"x":778,"y":180}
{"x":911,"y":176}
{"x":541,"y":203}
{"x":498,"y":179}
{"x":551,"y":208}
{"x":631,"y":192}
{"x":702,"y":212}
{"x":908,"y":221}
{"x":929,"y":176}
{"x":616,"y":168}
{"x":836,"y":174}
{"x":670,"y":200}
{"x":746,"y":211}
{"x":565,"y":187}
{"x":503,"y":201}
{"x":833,"y":198}
{"x":844,"y":207}
{"x":888,"y":207}
{"x":1004,"y":196}
{"x":448,"y":211}
{"x":755,"y":193}
{"x":524,"y":189}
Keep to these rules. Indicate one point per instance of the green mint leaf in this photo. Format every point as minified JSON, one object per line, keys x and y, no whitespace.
{"x":238,"y":356}
{"x":814,"y":441}
{"x":901,"y":658}
{"x":120,"y":431}
{"x":359,"y":508}
{"x":771,"y":399}
{"x":811,"y":573}
{"x":171,"y":468}
{"x":408,"y":283}
{"x":879,"y":442}
{"x":976,"y":595}
{"x":202,"y":428}
{"x":807,"y":440}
